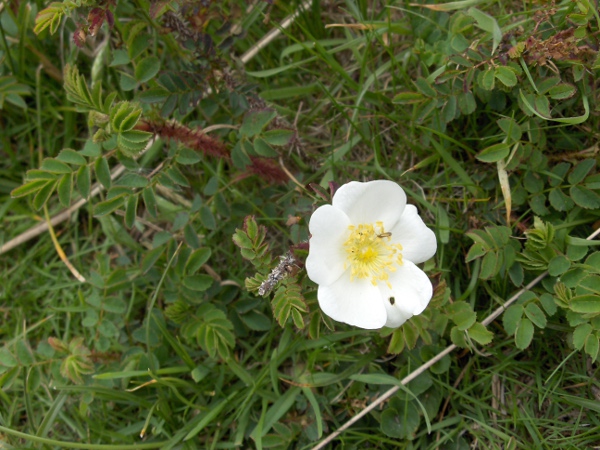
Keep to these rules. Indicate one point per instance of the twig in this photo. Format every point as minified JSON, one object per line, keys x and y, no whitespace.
{"x":489,"y":319}
{"x":273,"y":34}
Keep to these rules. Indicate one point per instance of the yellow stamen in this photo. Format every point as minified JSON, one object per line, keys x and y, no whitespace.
{"x":370,"y":254}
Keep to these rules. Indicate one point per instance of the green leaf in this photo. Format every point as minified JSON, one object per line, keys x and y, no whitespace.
{"x":536,"y":315}
{"x":524,"y":333}
{"x":286,"y":300}
{"x":584,"y":197}
{"x":548,"y":304}
{"x":589,"y":284}
{"x":255,"y":121}
{"x":187,"y":156}
{"x":542,"y":105}
{"x":559,"y":171}
{"x":50,"y":17}
{"x":125,"y":116}
{"x":191,"y":236}
{"x":127,"y":82}
{"x":133,"y":180}
{"x":494,"y":153}
{"x":54,"y":166}
{"x":263,"y":149}
{"x":580,"y":335}
{"x":153,"y":95}
{"x":131,"y":210}
{"x":7,"y":359}
{"x":177,"y":176}
{"x":490,"y":265}
{"x":76,"y":88}
{"x":477,"y":250}
{"x":562,"y":91}
{"x":103,"y":172}
{"x":506,"y":76}
{"x":256,"y":321}
{"x":425,"y":88}
{"x":70,"y":156}
{"x":511,"y":128}
{"x":132,"y":142}
{"x":24,"y":353}
{"x":558,"y":265}
{"x":65,"y":189}
{"x":147,"y":69}
{"x":581,"y":170}
{"x":480,"y":334}
{"x":532,"y":183}
{"x":400,"y":425}
{"x":467,"y":103}
{"x":108,"y":329}
{"x":83,"y":181}
{"x":29,"y":188}
{"x":207,"y":218}
{"x":559,"y":200}
{"x":489,"y":24}
{"x":150,"y":258}
{"x":544,"y":85}
{"x":585,"y":304}
{"x":449,"y":109}
{"x":197,"y":259}
{"x":516,"y":274}
{"x":43,"y":195}
{"x":108,"y":206}
{"x":36,"y":174}
{"x":198,"y":283}
{"x":593,"y":261}
{"x":488,"y":79}
{"x":150,"y":201}
{"x":425,"y":109}
{"x":462,"y":315}
{"x":278,"y":137}
{"x":120,"y":58}
{"x":214,"y":332}
{"x":511,"y":318}
{"x":408,"y":98}
{"x":592,"y":346}
{"x":458,"y":337}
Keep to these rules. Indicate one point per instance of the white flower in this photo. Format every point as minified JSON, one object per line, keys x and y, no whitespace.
{"x":363,"y":251}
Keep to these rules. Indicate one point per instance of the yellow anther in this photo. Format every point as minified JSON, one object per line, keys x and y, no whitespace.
{"x":369,"y":255}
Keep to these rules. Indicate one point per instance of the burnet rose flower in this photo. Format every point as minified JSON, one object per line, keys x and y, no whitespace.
{"x":364,"y":248}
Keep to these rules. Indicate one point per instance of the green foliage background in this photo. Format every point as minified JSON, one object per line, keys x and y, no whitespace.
{"x":171,"y":310}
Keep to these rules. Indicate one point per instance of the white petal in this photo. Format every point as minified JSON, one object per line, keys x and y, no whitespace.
{"x":411,"y":291}
{"x":357,"y":302}
{"x":326,"y":257}
{"x":418,"y":242}
{"x":379,"y":200}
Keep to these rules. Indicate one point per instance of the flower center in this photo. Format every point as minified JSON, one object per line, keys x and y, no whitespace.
{"x":370,"y":254}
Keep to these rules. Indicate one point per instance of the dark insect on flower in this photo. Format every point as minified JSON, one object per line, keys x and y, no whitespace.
{"x":287,"y":266}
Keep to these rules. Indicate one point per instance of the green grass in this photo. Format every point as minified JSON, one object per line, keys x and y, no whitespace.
{"x":163,"y":346}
